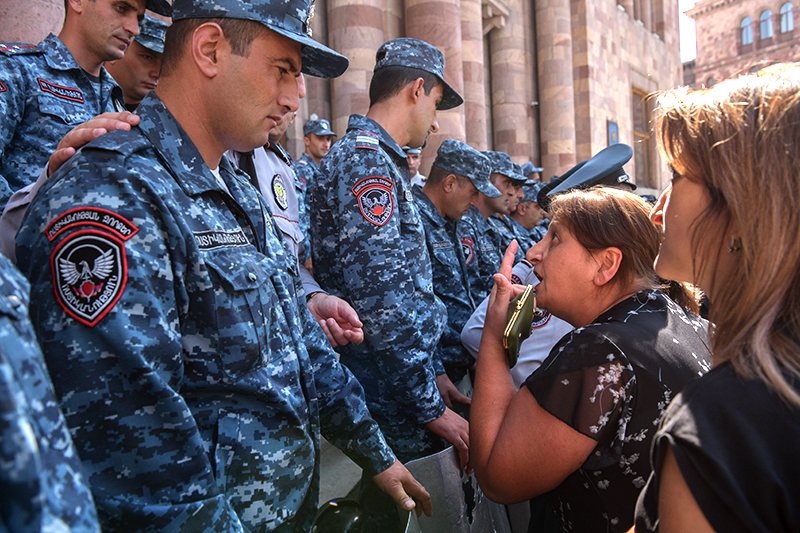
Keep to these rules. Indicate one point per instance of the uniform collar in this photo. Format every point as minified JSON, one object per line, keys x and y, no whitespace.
{"x":278,"y":150}
{"x":426,"y":206}
{"x":362,"y":123}
{"x":58,"y":57}
{"x":175,"y":149}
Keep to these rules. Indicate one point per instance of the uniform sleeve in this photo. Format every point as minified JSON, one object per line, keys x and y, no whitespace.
{"x":345,"y":420}
{"x":584,"y":382}
{"x":12,"y":109}
{"x":118,"y":377}
{"x":372,"y":230}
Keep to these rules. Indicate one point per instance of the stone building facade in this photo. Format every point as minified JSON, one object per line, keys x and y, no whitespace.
{"x":736,"y":36}
{"x":551,"y":81}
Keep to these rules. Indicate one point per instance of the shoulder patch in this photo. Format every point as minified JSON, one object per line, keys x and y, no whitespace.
{"x":19,"y":49}
{"x":2,"y":87}
{"x":540,"y":318}
{"x":367,"y":139}
{"x":375,"y":199}
{"x":65,"y":93}
{"x":468,"y":247}
{"x":91,"y":216}
{"x":279,"y":192}
{"x":89,"y":271}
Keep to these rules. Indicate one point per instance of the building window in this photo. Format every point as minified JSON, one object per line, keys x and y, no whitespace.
{"x":766,"y":24}
{"x":787,"y":18}
{"x":642,"y":146}
{"x":747,"y":30}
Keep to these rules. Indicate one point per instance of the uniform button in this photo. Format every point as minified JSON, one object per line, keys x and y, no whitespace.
{"x":14,"y":301}
{"x":252,"y":276}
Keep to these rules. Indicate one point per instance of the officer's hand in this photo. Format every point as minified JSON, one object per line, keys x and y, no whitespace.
{"x":397,"y":482}
{"x":86,"y":132}
{"x":454,"y":430}
{"x":338,"y":319}
{"x":309,"y":264}
{"x":449,"y":392}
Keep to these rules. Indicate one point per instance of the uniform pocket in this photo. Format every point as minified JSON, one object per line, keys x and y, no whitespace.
{"x":244,"y":298}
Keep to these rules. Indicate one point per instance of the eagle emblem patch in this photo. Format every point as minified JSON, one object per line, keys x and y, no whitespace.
{"x":89,"y":274}
{"x":279,"y":192}
{"x":468,"y":249}
{"x":540,"y":318}
{"x":375,"y":199}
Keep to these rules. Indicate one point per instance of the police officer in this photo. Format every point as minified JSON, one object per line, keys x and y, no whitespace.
{"x":42,"y":485}
{"x":137,"y":72}
{"x":48,"y":89}
{"x":480,"y":239}
{"x":457,"y":174}
{"x":368,"y":246}
{"x":271,"y":171}
{"x":526,"y":217}
{"x":194,"y":380}
{"x":414,"y":160}
{"x":501,"y":222}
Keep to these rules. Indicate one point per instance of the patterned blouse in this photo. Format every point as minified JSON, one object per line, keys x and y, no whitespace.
{"x":611,"y":381}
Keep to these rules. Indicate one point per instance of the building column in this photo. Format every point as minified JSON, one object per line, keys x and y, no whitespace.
{"x":30,"y":21}
{"x":355,"y":29}
{"x":472,"y":65}
{"x":438,"y":22}
{"x":510,"y":107}
{"x":556,"y":91}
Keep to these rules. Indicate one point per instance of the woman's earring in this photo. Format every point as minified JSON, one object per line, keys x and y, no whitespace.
{"x":736,"y":244}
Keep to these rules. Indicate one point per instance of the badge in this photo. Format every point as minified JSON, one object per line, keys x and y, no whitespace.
{"x":375,"y":199}
{"x":89,"y":274}
{"x":467,"y":247}
{"x":279,"y":192}
{"x":65,"y":93}
{"x":2,"y":87}
{"x":540,"y":318}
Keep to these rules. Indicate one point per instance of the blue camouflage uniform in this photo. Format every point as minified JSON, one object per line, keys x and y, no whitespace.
{"x":43,"y":95}
{"x":505,"y":229}
{"x":368,"y":246}
{"x":42,"y":486}
{"x":194,"y":382}
{"x":451,"y":285}
{"x":304,"y":168}
{"x":481,"y":247}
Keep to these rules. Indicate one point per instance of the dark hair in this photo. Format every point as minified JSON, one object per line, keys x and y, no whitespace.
{"x":389,"y":81}
{"x":240,"y":33}
{"x":604,"y":217}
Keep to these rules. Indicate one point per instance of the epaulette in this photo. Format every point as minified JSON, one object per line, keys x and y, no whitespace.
{"x":20,"y":49}
{"x":368,"y":140}
{"x":123,"y":142}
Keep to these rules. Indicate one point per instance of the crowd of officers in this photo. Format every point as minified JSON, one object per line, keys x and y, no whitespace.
{"x":186,"y":280}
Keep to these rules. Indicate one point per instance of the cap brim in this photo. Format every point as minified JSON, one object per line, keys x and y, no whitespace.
{"x":486,"y":187}
{"x":162,"y":7}
{"x":450,"y":98}
{"x":318,"y":60}
{"x":589,"y":174}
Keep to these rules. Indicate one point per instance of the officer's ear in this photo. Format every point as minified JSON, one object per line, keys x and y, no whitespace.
{"x":417,"y":89}
{"x":450,"y":183}
{"x":208,"y":46}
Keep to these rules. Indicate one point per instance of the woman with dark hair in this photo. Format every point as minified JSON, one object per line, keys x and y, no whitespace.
{"x":580,"y":427}
{"x":726,"y":455}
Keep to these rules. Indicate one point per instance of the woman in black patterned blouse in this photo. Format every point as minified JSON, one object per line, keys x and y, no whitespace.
{"x":580,"y":428}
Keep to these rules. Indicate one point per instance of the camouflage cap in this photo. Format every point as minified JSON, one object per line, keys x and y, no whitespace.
{"x":151,"y":34}
{"x":500,"y":163}
{"x":290,"y":18}
{"x":529,"y":168}
{"x":530,"y":191}
{"x":161,"y":7}
{"x":463,"y":160}
{"x":318,"y":127}
{"x":413,"y":53}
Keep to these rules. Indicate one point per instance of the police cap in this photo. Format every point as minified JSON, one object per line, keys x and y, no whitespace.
{"x":290,"y":18}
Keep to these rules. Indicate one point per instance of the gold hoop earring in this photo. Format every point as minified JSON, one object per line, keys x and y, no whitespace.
{"x":736,"y":244}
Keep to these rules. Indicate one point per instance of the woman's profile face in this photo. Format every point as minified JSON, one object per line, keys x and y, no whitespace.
{"x":676,"y":211}
{"x":566,"y":272}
